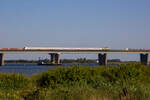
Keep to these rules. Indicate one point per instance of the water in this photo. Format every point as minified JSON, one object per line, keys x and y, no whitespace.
{"x":30,"y":69}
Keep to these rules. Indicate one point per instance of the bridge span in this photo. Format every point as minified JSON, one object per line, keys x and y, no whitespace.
{"x":55,"y":53}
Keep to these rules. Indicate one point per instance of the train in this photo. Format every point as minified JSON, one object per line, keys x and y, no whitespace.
{"x":53,"y":48}
{"x":61,"y":48}
{"x":132,"y":49}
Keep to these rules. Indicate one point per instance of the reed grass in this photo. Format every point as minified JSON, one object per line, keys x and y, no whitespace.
{"x":126,"y":82}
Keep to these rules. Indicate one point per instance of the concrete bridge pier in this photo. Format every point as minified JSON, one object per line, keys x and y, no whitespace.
{"x":144,"y":59}
{"x":1,"y":59}
{"x":102,"y":59}
{"x":52,"y":56}
{"x":55,"y":58}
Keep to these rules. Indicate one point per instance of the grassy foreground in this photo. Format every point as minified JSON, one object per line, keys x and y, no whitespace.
{"x":127,"y":82}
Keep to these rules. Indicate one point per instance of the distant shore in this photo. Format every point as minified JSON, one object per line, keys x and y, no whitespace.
{"x":67,"y":61}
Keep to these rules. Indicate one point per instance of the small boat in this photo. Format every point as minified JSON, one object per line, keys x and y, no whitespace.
{"x":43,"y":63}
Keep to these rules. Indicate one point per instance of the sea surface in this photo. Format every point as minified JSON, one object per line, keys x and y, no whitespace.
{"x":30,"y":69}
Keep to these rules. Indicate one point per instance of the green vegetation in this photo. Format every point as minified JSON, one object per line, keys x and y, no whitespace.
{"x":127,"y":82}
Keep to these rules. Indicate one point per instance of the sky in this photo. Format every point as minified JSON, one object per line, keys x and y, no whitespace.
{"x":116,"y":24}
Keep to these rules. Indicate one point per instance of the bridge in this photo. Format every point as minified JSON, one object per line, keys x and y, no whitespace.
{"x":56,"y":52}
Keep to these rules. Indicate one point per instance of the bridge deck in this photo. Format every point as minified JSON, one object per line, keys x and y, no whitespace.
{"x":75,"y":51}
